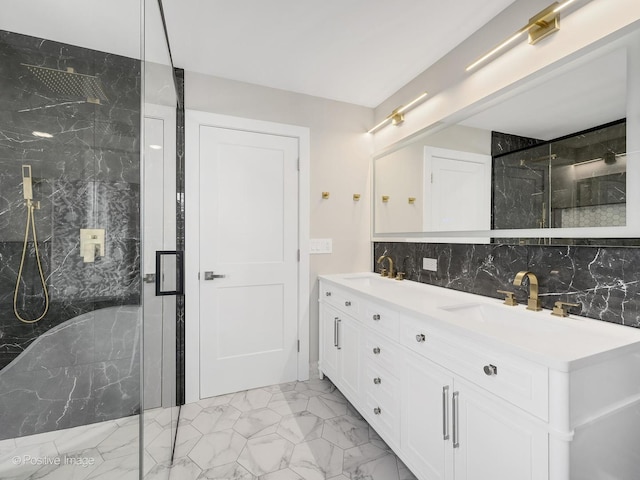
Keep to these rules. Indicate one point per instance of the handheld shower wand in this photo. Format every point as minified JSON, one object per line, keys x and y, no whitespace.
{"x":27,"y":187}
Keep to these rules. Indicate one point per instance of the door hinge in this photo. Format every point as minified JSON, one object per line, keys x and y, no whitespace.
{"x":298,"y":254}
{"x":431,"y":177}
{"x":298,"y":164}
{"x":298,"y":346}
{"x":198,"y":275}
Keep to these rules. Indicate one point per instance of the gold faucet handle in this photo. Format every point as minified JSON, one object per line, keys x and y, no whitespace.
{"x":400,"y":275}
{"x":383,"y":272}
{"x":509,"y":298}
{"x":561,"y":309}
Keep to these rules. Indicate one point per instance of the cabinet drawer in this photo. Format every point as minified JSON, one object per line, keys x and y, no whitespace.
{"x":380,"y":383}
{"x":381,"y":352}
{"x":383,"y":415}
{"x":381,"y":319}
{"x":342,"y":299}
{"x":519,"y":381}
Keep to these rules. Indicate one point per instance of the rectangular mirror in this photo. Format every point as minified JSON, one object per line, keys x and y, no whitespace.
{"x":559,"y":150}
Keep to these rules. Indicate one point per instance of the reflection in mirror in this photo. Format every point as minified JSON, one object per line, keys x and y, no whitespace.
{"x":576,"y":181}
{"x":561,"y":163}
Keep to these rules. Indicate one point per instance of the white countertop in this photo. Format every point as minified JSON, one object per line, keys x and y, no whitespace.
{"x":560,"y":343}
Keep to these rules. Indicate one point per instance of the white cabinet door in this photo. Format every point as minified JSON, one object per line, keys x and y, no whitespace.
{"x":494,"y":442}
{"x":328,"y":363}
{"x":349,"y":356}
{"x":426,"y":418}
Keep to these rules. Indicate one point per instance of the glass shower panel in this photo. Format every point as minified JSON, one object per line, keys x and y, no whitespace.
{"x":159,"y":235}
{"x":70,"y":273}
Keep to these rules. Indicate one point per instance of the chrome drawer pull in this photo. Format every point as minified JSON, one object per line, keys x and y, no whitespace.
{"x":347,"y":303}
{"x":338,"y":335}
{"x":490,"y":370}
{"x":335,"y":332}
{"x":456,"y":423}
{"x":376,"y":317}
{"x":327,"y":294}
{"x":420,"y":338}
{"x":445,"y":412}
{"x":377,"y":411}
{"x":376,"y":350}
{"x":377,"y":381}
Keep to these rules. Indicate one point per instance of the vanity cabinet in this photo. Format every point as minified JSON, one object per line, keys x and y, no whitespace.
{"x":340,"y":349}
{"x":459,"y":399}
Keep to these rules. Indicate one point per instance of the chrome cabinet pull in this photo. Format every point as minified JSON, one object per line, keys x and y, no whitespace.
{"x":327,"y":294}
{"x":376,"y":350}
{"x":377,"y":381}
{"x":420,"y":338}
{"x":376,"y":317}
{"x":347,"y":303}
{"x":335,"y":332}
{"x":377,"y":410}
{"x":338,"y":335}
{"x":456,"y":421}
{"x":490,"y":370}
{"x":445,"y":412}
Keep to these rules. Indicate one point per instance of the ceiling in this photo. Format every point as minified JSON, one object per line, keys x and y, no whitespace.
{"x":356,"y":51}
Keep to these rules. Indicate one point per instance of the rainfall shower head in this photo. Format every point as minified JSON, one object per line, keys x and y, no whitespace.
{"x":68,"y":82}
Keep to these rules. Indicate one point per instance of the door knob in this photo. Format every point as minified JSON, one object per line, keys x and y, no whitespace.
{"x":212,"y":276}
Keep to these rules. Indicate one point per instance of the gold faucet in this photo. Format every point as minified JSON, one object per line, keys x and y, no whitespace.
{"x":384,"y":272}
{"x":534,"y":302}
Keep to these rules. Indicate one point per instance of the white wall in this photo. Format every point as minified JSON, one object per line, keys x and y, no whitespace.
{"x":340,"y":160}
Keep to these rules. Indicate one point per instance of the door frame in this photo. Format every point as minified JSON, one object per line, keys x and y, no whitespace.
{"x":193,"y":120}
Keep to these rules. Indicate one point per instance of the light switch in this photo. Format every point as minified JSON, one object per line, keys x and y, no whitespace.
{"x":430,"y":264}
{"x":320,"y":245}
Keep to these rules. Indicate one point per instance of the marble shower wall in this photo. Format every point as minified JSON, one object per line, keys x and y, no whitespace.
{"x":86,"y":176}
{"x":604,"y":281}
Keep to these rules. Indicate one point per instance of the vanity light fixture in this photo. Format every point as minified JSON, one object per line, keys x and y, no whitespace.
{"x":540,"y":26}
{"x":397,"y":116}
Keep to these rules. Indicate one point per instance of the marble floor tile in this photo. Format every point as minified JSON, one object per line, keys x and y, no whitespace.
{"x":262,"y":455}
{"x":216,"y":449}
{"x":251,"y":399}
{"x":186,"y":439}
{"x":241,"y":436}
{"x":184,"y":469}
{"x":285,"y":474}
{"x":300,"y":427}
{"x":216,"y":419}
{"x":346,"y":431}
{"x":288,"y":402}
{"x":327,"y":406}
{"x":230,"y":471}
{"x":257,"y":423}
{"x":316,"y":460}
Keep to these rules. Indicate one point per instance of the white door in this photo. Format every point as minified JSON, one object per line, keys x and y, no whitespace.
{"x":460,"y":190}
{"x":249,"y":235}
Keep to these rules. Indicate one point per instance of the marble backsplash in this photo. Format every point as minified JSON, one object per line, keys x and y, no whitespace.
{"x":85,"y":175}
{"x":604,"y":281}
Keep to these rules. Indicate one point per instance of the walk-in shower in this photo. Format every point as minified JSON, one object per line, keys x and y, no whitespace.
{"x":84,"y":368}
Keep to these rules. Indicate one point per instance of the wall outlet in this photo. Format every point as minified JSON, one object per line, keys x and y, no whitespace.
{"x":430,"y":264}
{"x":320,"y":245}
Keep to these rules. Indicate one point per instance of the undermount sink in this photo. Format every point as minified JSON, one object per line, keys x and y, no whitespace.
{"x":502,"y":316}
{"x":369,"y":280}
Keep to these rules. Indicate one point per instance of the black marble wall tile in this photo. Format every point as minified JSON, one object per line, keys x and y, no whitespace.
{"x":604,"y":281}
{"x":86,"y":175}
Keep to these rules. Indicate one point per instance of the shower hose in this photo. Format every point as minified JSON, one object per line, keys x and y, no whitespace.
{"x":30,"y":223}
